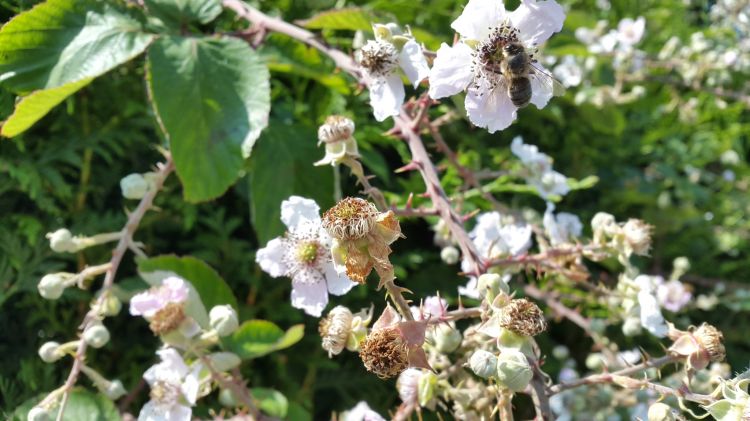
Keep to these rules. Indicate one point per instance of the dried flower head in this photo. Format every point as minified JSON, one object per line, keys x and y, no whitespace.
{"x":167,"y":319}
{"x":341,"y":147}
{"x":637,"y":237}
{"x":393,"y":345}
{"x":351,"y":219}
{"x":335,"y":129}
{"x":523,"y":317}
{"x":384,"y":352}
{"x":701,"y":345}
{"x":334,"y":329}
{"x":379,"y":58}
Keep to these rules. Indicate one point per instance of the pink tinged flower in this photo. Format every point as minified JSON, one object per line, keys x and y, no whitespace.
{"x":304,"y":254}
{"x":380,"y":60}
{"x":485,"y":26}
{"x":673,"y":295}
{"x":148,"y":303}
{"x":174,"y":388}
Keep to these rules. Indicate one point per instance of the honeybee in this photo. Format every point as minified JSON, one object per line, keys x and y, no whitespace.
{"x":519,"y":67}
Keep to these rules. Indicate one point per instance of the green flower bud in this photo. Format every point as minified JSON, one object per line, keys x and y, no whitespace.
{"x":50,"y":352}
{"x":594,"y":361}
{"x":223,"y":319}
{"x":492,"y":284}
{"x":446,"y":337}
{"x":228,"y":399}
{"x":426,"y":387}
{"x":51,"y":286}
{"x":115,"y":390}
{"x":111,"y":305}
{"x":660,"y":412}
{"x":224,"y":361}
{"x":133,"y":186}
{"x":38,"y":414}
{"x":483,"y":363}
{"x":560,"y":352}
{"x":61,"y":241}
{"x":513,"y":370}
{"x":449,"y":255}
{"x":96,"y":335}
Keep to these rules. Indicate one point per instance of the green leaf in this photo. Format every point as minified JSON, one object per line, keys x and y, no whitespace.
{"x":256,"y":338}
{"x":63,"y":41}
{"x":351,"y":18}
{"x":213,"y":290}
{"x":212,"y":97}
{"x":179,"y":12}
{"x":282,"y":166}
{"x":36,"y":105}
{"x":82,"y":406}
{"x":270,"y":401}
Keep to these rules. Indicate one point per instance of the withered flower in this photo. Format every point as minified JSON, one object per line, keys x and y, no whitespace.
{"x":523,"y":317}
{"x":394,"y":345}
{"x":362,"y":238}
{"x":700,"y":345}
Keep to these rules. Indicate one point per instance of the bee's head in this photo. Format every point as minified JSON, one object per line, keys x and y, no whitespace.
{"x":513,"y":48}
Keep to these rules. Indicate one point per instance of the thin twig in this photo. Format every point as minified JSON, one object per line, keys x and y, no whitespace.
{"x":93,"y":315}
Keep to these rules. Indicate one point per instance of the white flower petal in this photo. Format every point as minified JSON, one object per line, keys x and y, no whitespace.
{"x":412,"y":61}
{"x":537,"y":20}
{"x":297,"y":210}
{"x":180,"y":413}
{"x":152,"y":412}
{"x":451,"y":71}
{"x":386,"y":96}
{"x":172,"y":362}
{"x":479,"y":18}
{"x":338,"y":284}
{"x":541,"y":87}
{"x":270,"y":258}
{"x":362,"y":412}
{"x":191,"y":383}
{"x":651,"y":317}
{"x":491,"y":110}
{"x":470,"y":290}
{"x":311,"y":297}
{"x":145,"y":304}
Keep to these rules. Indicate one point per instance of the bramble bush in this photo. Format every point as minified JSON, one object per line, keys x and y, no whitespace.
{"x":360,"y":210}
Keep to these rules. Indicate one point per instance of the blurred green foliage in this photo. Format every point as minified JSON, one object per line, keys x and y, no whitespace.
{"x":65,"y":172}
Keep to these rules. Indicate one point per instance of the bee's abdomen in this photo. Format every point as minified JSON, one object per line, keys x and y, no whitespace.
{"x":519,"y":91}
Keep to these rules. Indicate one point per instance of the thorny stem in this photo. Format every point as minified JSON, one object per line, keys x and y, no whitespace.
{"x":93,"y":315}
{"x":236,"y":386}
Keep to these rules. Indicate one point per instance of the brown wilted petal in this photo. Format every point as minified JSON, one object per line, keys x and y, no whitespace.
{"x":388,"y":227}
{"x":358,"y":264}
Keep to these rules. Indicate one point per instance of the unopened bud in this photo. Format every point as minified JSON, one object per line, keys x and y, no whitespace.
{"x":449,"y":255}
{"x":61,"y":241}
{"x":115,"y":390}
{"x":228,"y":399}
{"x":51,"y":286}
{"x":111,"y":305}
{"x":50,"y":352}
{"x":483,"y":364}
{"x":660,"y":412}
{"x":513,"y":370}
{"x":632,"y":326}
{"x":594,"y":361}
{"x":493,"y":283}
{"x":134,"y":186}
{"x":426,"y":387}
{"x":447,"y":338}
{"x":334,"y":330}
{"x":223,"y":319}
{"x":38,"y":414}
{"x":224,"y":361}
{"x":561,"y":352}
{"x":680,"y":266}
{"x":96,"y":335}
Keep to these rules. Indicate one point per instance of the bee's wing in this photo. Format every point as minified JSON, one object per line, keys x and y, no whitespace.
{"x":547,"y":80}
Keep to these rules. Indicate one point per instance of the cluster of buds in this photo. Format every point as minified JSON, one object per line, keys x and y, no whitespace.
{"x":511,"y":368}
{"x":337,"y":135}
{"x":341,"y":329}
{"x":361,"y":239}
{"x":735,"y":403}
{"x":631,"y":237}
{"x":394,"y":345}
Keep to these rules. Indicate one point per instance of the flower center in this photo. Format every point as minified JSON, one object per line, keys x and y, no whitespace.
{"x":351,"y":219}
{"x":165,"y":393}
{"x":379,"y":58}
{"x":167,"y":319}
{"x":307,"y":252}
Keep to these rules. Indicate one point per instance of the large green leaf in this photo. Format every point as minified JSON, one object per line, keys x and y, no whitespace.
{"x":213,"y":290}
{"x":64,"y":41}
{"x":282,"y":165}
{"x":82,"y":406}
{"x":256,"y":338}
{"x":36,"y":105}
{"x":179,"y":12}
{"x":212,"y":96}
{"x":351,"y":18}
